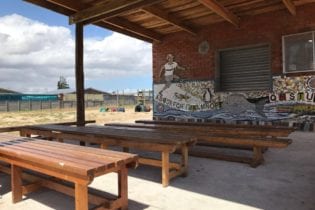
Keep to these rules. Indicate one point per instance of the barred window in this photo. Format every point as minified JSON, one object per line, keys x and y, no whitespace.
{"x":298,"y":52}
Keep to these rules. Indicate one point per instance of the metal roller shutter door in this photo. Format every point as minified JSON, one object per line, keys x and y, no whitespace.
{"x":245,"y":69}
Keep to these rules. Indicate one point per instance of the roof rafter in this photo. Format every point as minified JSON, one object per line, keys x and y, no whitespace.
{"x":68,"y":7}
{"x":159,"y":13}
{"x":132,"y":27}
{"x":108,"y":9}
{"x":290,"y":6}
{"x":219,"y":9}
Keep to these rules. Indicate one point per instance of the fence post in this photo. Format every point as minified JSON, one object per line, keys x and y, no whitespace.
{"x":30,"y":105}
{"x":50,"y":104}
{"x":7,"y":105}
{"x":41,"y":105}
{"x":19,"y":105}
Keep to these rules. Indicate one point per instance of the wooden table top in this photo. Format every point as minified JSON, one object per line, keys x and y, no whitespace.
{"x":129,"y":134}
{"x":72,"y":159}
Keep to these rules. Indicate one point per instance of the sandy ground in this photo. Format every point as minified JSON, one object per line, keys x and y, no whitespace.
{"x":67,"y":115}
{"x":284,"y":182}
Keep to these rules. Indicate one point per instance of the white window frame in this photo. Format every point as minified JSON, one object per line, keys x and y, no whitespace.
{"x":283,"y":53}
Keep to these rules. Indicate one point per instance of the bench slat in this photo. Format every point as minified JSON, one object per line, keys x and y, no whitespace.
{"x":255,"y":131}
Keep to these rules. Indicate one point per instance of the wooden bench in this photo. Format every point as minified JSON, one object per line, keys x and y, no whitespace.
{"x":18,"y":128}
{"x":72,"y":163}
{"x":257,"y":138}
{"x":160,"y":141}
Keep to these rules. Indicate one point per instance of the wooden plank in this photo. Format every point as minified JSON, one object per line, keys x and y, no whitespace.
{"x":221,"y":11}
{"x":290,"y":6}
{"x":161,"y":14}
{"x":108,"y":9}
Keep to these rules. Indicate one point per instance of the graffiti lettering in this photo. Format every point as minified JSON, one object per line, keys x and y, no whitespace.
{"x":299,"y":97}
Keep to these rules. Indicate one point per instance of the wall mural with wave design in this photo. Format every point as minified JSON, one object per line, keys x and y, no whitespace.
{"x":291,"y":98}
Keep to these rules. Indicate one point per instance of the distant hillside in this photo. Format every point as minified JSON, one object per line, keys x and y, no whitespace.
{"x":2,"y":90}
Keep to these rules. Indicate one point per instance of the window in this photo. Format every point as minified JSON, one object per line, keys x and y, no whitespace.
{"x":244,"y":69}
{"x":298,"y":52}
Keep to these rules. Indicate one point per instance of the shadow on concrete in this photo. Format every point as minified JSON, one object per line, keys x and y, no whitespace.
{"x":53,"y":199}
{"x":285,"y":181}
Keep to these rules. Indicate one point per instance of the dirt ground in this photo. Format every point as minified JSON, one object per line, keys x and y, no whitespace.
{"x":66,"y":115}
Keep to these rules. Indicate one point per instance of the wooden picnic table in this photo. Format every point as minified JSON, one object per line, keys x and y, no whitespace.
{"x":72,"y":163}
{"x":249,"y":137}
{"x":156,"y":141}
{"x":217,"y":125}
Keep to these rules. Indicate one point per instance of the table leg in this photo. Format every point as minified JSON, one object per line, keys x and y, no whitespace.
{"x":165,"y":168}
{"x":126,"y":149}
{"x":258,"y":157}
{"x":16,"y":183}
{"x":184,"y":160}
{"x":81,"y":197}
{"x":123,"y":187}
{"x":103,"y":146}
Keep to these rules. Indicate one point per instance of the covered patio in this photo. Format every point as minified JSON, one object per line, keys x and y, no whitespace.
{"x":227,"y":61}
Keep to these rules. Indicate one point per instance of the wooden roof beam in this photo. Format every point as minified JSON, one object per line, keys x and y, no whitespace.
{"x":290,"y":6}
{"x":64,"y":8}
{"x":123,"y":31}
{"x":108,"y":9}
{"x":219,"y":9}
{"x":159,"y":13}
{"x":135,"y":28}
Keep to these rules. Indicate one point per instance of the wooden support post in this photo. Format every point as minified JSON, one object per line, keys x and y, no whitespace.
{"x":16,"y":183}
{"x":165,"y":168}
{"x":81,"y":197}
{"x":123,"y":187}
{"x":79,"y":75}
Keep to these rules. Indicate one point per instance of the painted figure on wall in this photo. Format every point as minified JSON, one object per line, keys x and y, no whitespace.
{"x":169,"y":69}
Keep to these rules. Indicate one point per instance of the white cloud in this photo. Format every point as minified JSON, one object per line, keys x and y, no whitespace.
{"x":33,"y":55}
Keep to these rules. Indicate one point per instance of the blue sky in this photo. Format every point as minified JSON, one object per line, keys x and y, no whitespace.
{"x":104,"y":69}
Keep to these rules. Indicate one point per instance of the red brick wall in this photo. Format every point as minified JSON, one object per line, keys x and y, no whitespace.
{"x":267,"y":28}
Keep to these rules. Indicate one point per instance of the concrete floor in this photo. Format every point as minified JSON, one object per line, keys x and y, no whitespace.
{"x":285,"y":181}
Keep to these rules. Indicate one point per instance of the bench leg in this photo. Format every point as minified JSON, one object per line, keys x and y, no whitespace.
{"x":123,"y":187}
{"x":103,"y":146}
{"x":258,"y":157}
{"x":81,"y":197}
{"x":126,"y":149}
{"x":165,"y":168}
{"x":16,"y":183}
{"x":184,"y":160}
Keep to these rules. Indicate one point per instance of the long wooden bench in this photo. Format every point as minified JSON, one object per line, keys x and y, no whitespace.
{"x":72,"y":163}
{"x":18,"y":128}
{"x":160,"y":141}
{"x":254,"y":137}
{"x":282,"y":130}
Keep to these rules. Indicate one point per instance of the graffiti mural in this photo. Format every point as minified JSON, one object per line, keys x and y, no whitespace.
{"x":292,"y":97}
